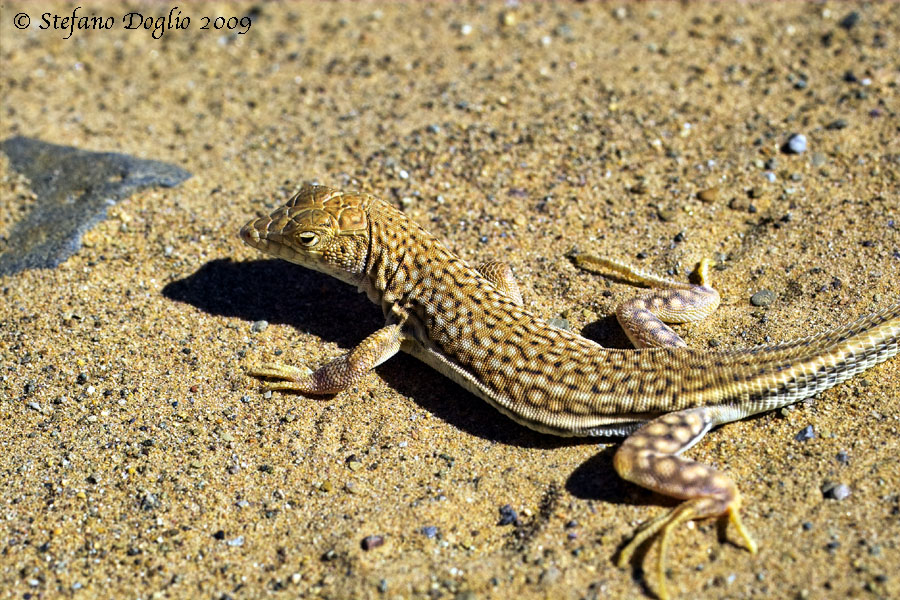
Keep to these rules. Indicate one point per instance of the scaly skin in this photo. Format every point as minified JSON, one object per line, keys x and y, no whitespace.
{"x":469,"y":323}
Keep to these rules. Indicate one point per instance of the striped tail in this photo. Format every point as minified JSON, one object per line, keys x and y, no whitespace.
{"x":802,"y":368}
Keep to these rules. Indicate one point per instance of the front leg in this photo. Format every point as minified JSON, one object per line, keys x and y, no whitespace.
{"x":340,"y":373}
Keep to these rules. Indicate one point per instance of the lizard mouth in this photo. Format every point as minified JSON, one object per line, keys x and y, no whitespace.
{"x":257,"y":233}
{"x":250,"y":235}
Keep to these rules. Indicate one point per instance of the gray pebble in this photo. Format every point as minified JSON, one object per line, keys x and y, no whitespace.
{"x":807,"y":433}
{"x":762,"y":298}
{"x":550,"y":575}
{"x":836,"y":491}
{"x":430,"y":531}
{"x":259,"y":326}
{"x":508,"y":515}
{"x":796,"y":144}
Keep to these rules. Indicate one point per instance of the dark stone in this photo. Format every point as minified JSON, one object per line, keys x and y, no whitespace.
{"x":370,"y":542}
{"x":508,"y":516}
{"x":807,"y":433}
{"x":850,"y":20}
{"x":74,"y":188}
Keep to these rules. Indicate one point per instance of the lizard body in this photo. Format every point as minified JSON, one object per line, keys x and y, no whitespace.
{"x":469,"y":323}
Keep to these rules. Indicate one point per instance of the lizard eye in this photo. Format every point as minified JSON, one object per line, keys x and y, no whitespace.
{"x":308,"y":238}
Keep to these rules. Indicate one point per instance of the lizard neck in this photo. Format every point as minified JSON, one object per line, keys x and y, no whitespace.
{"x":395,"y":243}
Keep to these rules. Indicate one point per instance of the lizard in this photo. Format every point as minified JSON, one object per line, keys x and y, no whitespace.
{"x":470,"y":324}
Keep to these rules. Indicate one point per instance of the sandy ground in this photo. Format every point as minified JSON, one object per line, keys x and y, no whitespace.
{"x":139,"y":461}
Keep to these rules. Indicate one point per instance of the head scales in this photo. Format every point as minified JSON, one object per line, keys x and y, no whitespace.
{"x":320,"y":228}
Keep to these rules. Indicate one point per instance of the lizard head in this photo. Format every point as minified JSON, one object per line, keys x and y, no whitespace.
{"x":320,"y":228}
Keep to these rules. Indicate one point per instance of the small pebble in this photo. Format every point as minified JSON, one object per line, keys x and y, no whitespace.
{"x":508,"y":515}
{"x":370,"y":542}
{"x":850,"y":20}
{"x":836,"y":491}
{"x":259,"y":326}
{"x":709,"y":195}
{"x":638,"y":188}
{"x":550,"y":575}
{"x":429,"y":531}
{"x":236,"y":542}
{"x":762,"y":298}
{"x":796,"y":144}
{"x":807,"y":433}
{"x":666,"y":214}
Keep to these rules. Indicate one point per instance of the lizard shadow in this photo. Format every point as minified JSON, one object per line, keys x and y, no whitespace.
{"x":281,"y":293}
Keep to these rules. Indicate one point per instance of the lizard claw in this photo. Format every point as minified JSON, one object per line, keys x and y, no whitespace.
{"x":279,"y":371}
